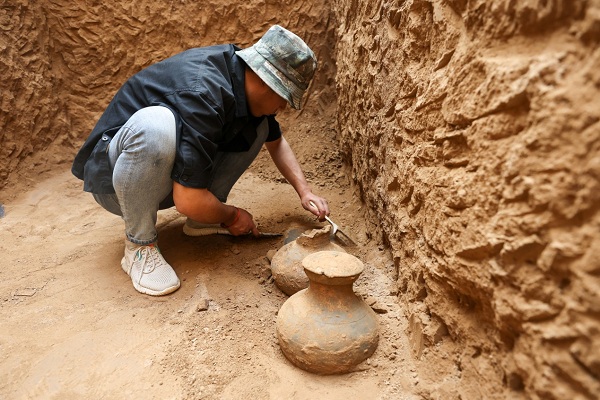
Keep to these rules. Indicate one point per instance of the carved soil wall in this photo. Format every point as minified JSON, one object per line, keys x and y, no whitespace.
{"x":473,"y":132}
{"x":62,"y":61}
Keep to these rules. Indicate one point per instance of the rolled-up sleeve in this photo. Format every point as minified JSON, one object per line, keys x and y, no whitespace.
{"x":274,"y":129}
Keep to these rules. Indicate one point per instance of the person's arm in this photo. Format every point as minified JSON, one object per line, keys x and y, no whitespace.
{"x":202,"y":206}
{"x":286,"y":162}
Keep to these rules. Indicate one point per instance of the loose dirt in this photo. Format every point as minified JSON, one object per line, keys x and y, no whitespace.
{"x":73,"y":326}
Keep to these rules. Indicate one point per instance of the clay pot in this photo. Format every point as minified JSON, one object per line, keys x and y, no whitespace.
{"x":326,"y":328}
{"x":286,"y":265}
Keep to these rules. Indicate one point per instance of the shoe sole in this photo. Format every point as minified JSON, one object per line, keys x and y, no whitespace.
{"x":189,"y":231}
{"x":147,"y":291}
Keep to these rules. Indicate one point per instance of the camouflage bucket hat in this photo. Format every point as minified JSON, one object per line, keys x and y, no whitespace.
{"x":284,"y":62}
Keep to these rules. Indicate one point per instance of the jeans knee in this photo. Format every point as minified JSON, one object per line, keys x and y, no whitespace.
{"x":154,"y":129}
{"x":159,"y":121}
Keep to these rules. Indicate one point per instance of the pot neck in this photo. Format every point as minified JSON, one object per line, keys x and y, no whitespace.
{"x":327,"y":292}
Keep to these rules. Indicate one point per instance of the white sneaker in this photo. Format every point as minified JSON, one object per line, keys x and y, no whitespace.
{"x":149,"y":271}
{"x":193,"y":228}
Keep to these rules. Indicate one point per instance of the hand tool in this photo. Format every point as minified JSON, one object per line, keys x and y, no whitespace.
{"x":344,"y":239}
{"x":224,"y":231}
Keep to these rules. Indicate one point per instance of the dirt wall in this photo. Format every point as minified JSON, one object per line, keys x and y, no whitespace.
{"x":472,"y":130}
{"x":471,"y":127}
{"x":62,"y":61}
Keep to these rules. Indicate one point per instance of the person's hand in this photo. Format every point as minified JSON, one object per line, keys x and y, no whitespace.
{"x":322,"y":208}
{"x":243,"y":224}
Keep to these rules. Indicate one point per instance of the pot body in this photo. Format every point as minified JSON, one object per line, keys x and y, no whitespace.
{"x":286,"y":265}
{"x":326,"y":328}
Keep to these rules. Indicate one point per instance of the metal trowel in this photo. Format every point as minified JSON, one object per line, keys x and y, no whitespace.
{"x":336,"y":231}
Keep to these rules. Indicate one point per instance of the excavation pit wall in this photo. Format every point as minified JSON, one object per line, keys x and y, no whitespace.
{"x":471,"y":130}
{"x":62,"y":62}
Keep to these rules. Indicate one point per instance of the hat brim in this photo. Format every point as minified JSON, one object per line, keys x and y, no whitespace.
{"x":272,"y":77}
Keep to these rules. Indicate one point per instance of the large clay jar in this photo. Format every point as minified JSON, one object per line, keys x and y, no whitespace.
{"x":326,"y":328}
{"x":286,"y":265}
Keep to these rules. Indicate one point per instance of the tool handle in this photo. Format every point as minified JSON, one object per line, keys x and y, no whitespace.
{"x":313,"y":205}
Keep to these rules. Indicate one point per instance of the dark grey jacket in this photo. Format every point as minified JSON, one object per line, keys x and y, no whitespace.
{"x":204,"y":87}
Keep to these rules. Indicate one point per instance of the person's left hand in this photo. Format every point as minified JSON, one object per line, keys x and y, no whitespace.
{"x":322,"y":208}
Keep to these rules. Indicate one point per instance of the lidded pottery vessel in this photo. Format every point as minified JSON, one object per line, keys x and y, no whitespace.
{"x":286,"y":265}
{"x":326,"y":328}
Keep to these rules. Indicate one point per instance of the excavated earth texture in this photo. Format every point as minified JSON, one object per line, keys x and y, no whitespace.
{"x":472,"y":131}
{"x":62,"y":61}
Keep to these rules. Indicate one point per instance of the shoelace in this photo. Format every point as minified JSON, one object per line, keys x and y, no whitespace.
{"x":151,"y":255}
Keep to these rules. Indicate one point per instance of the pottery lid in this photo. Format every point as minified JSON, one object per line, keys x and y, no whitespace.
{"x":333,"y":264}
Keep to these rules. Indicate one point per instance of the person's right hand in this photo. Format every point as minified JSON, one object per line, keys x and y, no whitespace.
{"x":243,"y":224}
{"x":316,"y":205}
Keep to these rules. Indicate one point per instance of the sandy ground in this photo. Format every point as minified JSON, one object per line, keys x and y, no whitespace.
{"x":73,"y":326}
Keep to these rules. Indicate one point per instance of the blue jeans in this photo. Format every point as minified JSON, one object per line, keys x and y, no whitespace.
{"x":142,"y":154}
